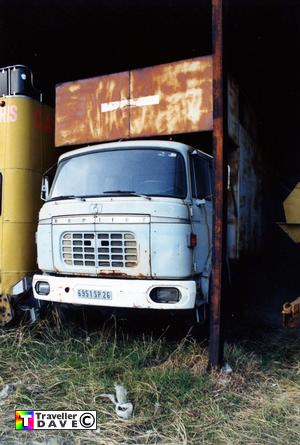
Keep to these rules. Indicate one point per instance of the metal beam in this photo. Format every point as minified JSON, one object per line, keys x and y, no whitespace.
{"x":219,"y":146}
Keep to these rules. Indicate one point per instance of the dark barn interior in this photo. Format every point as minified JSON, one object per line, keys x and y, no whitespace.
{"x":74,"y":39}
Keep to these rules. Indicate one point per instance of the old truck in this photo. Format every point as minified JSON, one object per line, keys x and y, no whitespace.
{"x":128,"y":224}
{"x":26,"y":151}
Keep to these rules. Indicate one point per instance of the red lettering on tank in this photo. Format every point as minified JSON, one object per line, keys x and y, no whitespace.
{"x":44,"y":122}
{"x":48,"y":124}
{"x":38,"y":119}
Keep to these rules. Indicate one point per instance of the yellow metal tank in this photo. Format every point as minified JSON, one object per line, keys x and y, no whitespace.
{"x":26,"y":151}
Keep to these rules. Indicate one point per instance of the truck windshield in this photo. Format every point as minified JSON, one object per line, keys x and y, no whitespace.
{"x":126,"y":172}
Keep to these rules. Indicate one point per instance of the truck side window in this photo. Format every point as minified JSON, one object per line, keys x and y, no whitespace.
{"x":201,"y":181}
{"x":211,"y":178}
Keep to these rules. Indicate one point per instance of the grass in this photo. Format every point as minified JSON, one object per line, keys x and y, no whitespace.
{"x":175,"y":400}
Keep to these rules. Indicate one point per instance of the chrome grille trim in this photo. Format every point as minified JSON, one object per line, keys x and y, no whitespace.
{"x":99,"y":249}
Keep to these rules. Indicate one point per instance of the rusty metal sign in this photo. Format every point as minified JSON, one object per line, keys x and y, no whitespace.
{"x":78,"y":116}
{"x":160,"y":100}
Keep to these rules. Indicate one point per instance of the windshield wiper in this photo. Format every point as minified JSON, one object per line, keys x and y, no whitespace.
{"x":91,"y":196}
{"x":112,"y":192}
{"x":126,"y":192}
{"x":59,"y":198}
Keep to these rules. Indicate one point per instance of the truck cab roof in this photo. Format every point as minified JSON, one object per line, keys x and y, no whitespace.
{"x":133,"y":144}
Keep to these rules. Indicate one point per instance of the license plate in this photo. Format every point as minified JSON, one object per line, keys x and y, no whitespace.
{"x":93,"y":293}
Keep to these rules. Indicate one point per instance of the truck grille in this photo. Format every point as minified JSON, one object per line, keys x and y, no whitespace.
{"x":100,"y":249}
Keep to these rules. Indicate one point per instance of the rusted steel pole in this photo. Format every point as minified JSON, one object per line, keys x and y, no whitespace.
{"x":219,"y":147}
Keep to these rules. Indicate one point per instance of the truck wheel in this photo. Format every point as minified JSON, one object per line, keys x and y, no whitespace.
{"x":59,"y":312}
{"x":201,"y":317}
{"x":66,"y":314}
{"x":201,"y":322}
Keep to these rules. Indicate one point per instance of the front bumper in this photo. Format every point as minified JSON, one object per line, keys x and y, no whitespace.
{"x":125,"y":293}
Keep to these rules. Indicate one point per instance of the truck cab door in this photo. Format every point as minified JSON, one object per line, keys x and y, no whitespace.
{"x":201,"y":179}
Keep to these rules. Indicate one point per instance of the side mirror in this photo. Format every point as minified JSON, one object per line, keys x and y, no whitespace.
{"x":200,"y":202}
{"x":228,"y":177}
{"x":45,"y":188}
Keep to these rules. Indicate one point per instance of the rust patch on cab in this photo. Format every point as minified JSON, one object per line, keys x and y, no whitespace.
{"x":117,"y":274}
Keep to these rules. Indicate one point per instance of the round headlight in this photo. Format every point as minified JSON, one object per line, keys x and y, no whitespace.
{"x":42,"y":287}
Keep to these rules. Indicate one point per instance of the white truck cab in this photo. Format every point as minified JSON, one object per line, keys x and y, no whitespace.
{"x":127,"y":225}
